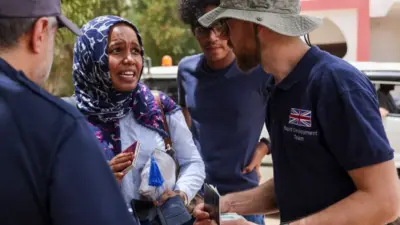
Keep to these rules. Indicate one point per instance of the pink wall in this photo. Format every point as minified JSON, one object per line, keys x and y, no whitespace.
{"x":363,"y":31}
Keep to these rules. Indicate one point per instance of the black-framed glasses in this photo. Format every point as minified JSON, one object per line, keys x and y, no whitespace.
{"x":219,"y":28}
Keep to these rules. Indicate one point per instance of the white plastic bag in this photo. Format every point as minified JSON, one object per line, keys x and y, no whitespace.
{"x":167,"y":166}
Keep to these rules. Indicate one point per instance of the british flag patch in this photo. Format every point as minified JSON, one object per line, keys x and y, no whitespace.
{"x":300,"y":117}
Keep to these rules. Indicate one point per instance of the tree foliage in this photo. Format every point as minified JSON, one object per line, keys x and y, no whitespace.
{"x":60,"y":82}
{"x":163,"y":33}
{"x":157,"y":20}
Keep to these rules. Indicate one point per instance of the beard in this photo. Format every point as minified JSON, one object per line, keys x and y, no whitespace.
{"x":247,"y":62}
{"x":249,"y":58}
{"x":42,"y":73}
{"x":44,"y":70}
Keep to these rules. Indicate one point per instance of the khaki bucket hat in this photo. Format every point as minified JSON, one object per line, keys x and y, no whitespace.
{"x":281,"y":16}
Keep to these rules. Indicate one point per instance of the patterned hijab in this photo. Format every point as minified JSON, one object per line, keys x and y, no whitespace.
{"x":95,"y":95}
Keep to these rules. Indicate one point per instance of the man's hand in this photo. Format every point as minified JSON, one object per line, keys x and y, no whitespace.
{"x":205,"y":222}
{"x":225,"y":204}
{"x":201,"y":214}
{"x":203,"y":217}
{"x":384,"y":112}
{"x":261,"y":150}
{"x":119,"y":163}
{"x":298,"y":222}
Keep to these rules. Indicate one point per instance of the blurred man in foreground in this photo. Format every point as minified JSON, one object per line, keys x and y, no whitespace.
{"x":42,"y":182}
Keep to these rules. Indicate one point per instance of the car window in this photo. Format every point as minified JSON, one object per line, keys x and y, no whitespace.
{"x":388,"y":97}
{"x":396,"y":95}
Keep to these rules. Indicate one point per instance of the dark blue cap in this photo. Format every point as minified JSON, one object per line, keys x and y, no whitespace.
{"x":36,"y":9}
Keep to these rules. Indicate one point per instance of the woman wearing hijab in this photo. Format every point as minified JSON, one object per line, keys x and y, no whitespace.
{"x":108,"y":63}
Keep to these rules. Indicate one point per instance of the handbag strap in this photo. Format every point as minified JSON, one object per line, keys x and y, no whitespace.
{"x":167,"y":140}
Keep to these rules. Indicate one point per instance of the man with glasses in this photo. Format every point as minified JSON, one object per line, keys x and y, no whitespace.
{"x":226,"y":123}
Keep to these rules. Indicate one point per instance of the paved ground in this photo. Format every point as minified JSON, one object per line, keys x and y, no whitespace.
{"x":267,"y":173}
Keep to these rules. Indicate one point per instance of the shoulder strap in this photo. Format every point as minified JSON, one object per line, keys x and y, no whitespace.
{"x":167,"y":140}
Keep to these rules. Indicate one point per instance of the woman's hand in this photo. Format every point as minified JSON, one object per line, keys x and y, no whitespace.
{"x":169,"y":194}
{"x":119,"y":163}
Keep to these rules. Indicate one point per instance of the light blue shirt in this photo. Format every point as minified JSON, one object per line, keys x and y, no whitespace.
{"x":191,"y":167}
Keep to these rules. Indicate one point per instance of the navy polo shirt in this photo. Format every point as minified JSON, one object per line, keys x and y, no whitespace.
{"x":227,"y":108}
{"x":52,"y":170}
{"x":324,"y":121}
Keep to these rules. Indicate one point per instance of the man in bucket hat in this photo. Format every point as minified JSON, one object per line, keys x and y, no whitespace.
{"x":332,"y":160}
{"x":209,"y":82}
{"x":52,"y":170}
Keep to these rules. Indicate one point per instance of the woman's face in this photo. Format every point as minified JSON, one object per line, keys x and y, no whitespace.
{"x":124,"y":57}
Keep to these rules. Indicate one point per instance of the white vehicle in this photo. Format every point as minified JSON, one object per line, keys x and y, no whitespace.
{"x":386,"y":74}
{"x":164,"y":78}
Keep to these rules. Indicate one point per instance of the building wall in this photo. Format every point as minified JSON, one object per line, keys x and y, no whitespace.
{"x":385,"y":40}
{"x":328,"y":33}
{"x":340,"y":26}
{"x":361,"y":31}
